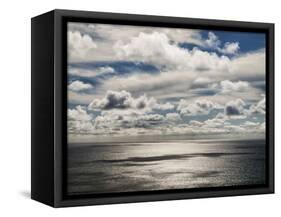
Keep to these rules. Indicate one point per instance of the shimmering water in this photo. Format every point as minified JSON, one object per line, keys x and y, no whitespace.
{"x":145,"y":166}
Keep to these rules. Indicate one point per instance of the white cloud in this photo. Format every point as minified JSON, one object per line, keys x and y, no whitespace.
{"x":220,"y":116}
{"x":79,"y":45}
{"x":212,"y":41}
{"x":230,"y":48}
{"x":258,"y":108}
{"x":214,"y":123}
{"x":190,"y":36}
{"x":199,"y":107}
{"x":249,"y":66}
{"x":202,"y":82}
{"x":254,"y":127}
{"x":79,"y":97}
{"x":156,"y":49}
{"x":196,"y":123}
{"x":159,"y":46}
{"x":90,"y":72}
{"x":79,"y":121}
{"x":157,"y":85}
{"x":250,"y":124}
{"x":229,"y":86}
{"x":80,"y":127}
{"x":110,"y":32}
{"x":176,"y":83}
{"x":152,"y":48}
{"x":116,"y":123}
{"x":79,"y":86}
{"x":174,"y":117}
{"x":163,"y":106}
{"x":105,"y":36}
{"x":179,"y":67}
{"x":78,"y":114}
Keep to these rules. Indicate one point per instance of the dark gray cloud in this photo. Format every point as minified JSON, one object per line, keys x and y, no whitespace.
{"x":124,"y":100}
{"x":232,"y":110}
{"x":235,"y":107}
{"x":118,"y":100}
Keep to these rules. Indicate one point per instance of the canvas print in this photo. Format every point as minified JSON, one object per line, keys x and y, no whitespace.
{"x":154,"y":108}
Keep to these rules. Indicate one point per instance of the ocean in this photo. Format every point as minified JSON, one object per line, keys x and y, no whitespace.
{"x":174,"y":164}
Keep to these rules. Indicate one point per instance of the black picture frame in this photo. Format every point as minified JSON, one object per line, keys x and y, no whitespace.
{"x":49,"y":106}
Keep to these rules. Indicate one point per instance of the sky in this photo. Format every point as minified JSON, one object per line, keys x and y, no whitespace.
{"x":135,"y":81}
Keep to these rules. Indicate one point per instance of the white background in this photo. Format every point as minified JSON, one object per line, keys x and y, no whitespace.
{"x":15,"y":107}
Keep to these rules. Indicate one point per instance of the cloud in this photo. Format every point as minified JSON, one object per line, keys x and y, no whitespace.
{"x":78,"y":114}
{"x":108,"y":32}
{"x":116,"y":100}
{"x":163,"y":106}
{"x":201,"y":82}
{"x":258,"y":108}
{"x":173,"y":117}
{"x":174,"y":83}
{"x":190,"y":36}
{"x":158,"y":46}
{"x":79,"y":46}
{"x":80,"y":97}
{"x":106,"y":35}
{"x":133,"y":124}
{"x":79,"y":121}
{"x":124,"y":100}
{"x":156,"y":49}
{"x":229,"y":86}
{"x":148,"y":120}
{"x":161,"y":84}
{"x":249,"y":66}
{"x":179,"y":67}
{"x":90,"y":72}
{"x":234,"y":108}
{"x":116,"y":122}
{"x":79,"y":86}
{"x":230,"y":48}
{"x":250,"y":124}
{"x":200,"y":90}
{"x":212,"y":41}
{"x":199,"y":107}
{"x":80,"y":127}
{"x":214,"y":123}
{"x":136,"y":123}
{"x":196,"y":123}
{"x":254,"y":127}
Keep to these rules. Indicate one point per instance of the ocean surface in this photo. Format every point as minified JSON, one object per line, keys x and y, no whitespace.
{"x":179,"y":164}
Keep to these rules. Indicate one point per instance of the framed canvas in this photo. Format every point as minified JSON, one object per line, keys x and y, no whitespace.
{"x":131,"y":108}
